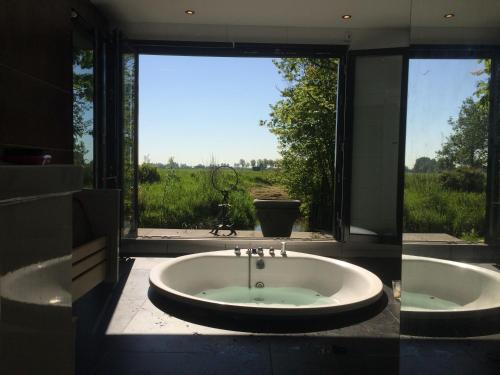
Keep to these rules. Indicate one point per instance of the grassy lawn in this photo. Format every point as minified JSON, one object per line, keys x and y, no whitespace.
{"x":431,"y":208}
{"x":185,"y":198}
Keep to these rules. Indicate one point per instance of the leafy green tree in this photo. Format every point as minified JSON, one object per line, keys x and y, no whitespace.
{"x":304,"y":122}
{"x":83,"y":96}
{"x":425,"y":164}
{"x":128,"y":140}
{"x":467,"y":145}
{"x":172,"y":163}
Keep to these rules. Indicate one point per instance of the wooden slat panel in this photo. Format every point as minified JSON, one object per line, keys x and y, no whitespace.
{"x":88,"y":280}
{"x":87,"y":263}
{"x":89,"y":248}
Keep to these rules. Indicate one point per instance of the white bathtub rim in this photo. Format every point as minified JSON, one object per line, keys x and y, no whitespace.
{"x":454,"y":312}
{"x":57,"y":297}
{"x":162,"y":288}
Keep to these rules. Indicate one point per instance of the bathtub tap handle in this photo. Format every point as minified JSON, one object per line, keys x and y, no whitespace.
{"x":237,"y":250}
{"x":249,"y":251}
{"x":283,"y":249}
{"x":260,"y":251}
{"x":271,"y":251}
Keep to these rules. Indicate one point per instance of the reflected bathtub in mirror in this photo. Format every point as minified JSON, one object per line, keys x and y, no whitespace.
{"x":465,"y":297}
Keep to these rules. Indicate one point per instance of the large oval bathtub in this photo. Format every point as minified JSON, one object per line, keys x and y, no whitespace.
{"x":295,"y":284}
{"x":446,"y":292}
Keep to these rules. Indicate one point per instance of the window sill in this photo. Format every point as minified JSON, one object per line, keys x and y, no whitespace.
{"x":142,"y":246}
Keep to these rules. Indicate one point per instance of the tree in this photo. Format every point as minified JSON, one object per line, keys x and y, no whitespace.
{"x":467,"y":145}
{"x":252,"y":162}
{"x":242,"y":163}
{"x":425,"y":164}
{"x":304,"y":122}
{"x":83,"y":101}
{"x":171,"y":163}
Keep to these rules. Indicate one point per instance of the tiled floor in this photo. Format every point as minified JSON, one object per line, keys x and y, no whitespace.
{"x":143,"y":339}
{"x":457,"y":356}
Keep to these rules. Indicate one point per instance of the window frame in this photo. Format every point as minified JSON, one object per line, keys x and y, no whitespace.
{"x":264,"y":50}
{"x":100,"y":112}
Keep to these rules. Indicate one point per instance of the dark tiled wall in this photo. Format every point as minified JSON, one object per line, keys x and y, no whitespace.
{"x":36,"y":76}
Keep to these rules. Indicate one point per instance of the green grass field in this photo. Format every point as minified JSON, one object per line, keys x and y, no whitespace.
{"x":431,"y":208}
{"x":185,"y":198}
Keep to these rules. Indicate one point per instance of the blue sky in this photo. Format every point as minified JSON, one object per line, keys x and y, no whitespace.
{"x":195,"y":108}
{"x":436,"y":90}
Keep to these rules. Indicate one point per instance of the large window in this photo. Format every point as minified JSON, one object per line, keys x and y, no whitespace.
{"x":272,"y":120}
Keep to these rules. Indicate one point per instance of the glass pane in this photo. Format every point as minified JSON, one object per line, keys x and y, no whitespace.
{"x":494,"y":168}
{"x":273,"y":121}
{"x":446,"y":150}
{"x":375,"y":147}
{"x":129,"y":142}
{"x":83,"y":103}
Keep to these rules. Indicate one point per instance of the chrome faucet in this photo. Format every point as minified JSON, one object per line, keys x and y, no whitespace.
{"x":283,"y":249}
{"x":249,"y":253}
{"x":237,"y":250}
{"x":260,"y":251}
{"x":271,"y":251}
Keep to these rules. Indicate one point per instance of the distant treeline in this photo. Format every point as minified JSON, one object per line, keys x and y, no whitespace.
{"x":255,"y":164}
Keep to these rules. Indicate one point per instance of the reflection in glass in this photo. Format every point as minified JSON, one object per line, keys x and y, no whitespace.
{"x":128,"y":142}
{"x":83,"y":103}
{"x":447,"y":149}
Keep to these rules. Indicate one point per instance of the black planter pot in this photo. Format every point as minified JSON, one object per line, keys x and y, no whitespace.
{"x":276,"y":216}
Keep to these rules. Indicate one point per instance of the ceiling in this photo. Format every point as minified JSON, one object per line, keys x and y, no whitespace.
{"x":296,"y":13}
{"x":157,"y":18}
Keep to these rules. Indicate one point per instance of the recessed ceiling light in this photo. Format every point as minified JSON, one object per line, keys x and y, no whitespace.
{"x":189,"y":12}
{"x":346,"y":17}
{"x":449,"y":15}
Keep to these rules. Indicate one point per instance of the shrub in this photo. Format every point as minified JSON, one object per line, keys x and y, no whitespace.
{"x":429,"y":208}
{"x":464,"y":179}
{"x":148,"y":173}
